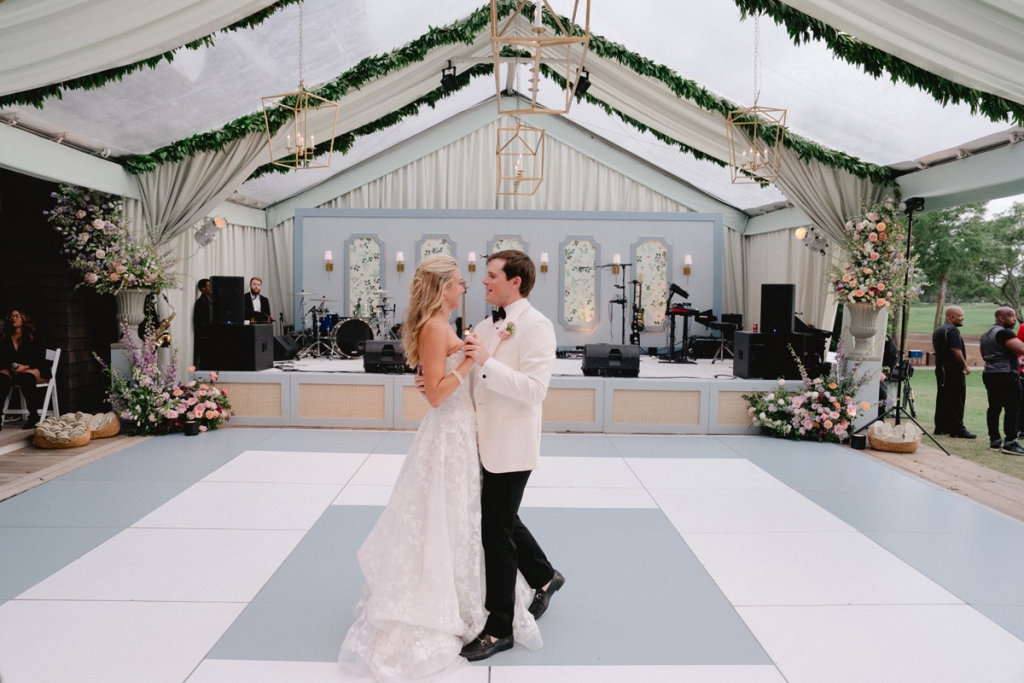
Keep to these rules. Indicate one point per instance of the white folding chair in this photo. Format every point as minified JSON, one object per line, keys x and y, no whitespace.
{"x":50,"y":401}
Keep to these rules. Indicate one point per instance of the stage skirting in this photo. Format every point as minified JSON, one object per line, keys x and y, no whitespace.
{"x":573,"y":404}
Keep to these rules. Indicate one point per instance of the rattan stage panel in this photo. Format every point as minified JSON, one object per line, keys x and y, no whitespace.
{"x":254,"y":399}
{"x":414,"y":406}
{"x":342,"y":401}
{"x":571,"y":405}
{"x":640,"y":407}
{"x":732,"y":409}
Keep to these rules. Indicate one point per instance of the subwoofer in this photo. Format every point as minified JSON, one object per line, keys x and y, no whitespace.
{"x":384,"y":357}
{"x":611,"y":360}
{"x":778,"y":309}
{"x":285,"y":347}
{"x":228,"y":294}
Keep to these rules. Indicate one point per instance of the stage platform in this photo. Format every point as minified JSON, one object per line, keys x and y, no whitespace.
{"x":666,"y":398}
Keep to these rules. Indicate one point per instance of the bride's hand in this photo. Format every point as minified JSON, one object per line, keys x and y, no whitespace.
{"x":419,"y":381}
{"x":475,"y":350}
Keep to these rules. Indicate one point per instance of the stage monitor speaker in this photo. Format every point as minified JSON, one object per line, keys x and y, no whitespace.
{"x":770,"y":356}
{"x":228,"y":294}
{"x":384,"y":357}
{"x":611,"y":360}
{"x":285,"y":347}
{"x":777,"y":309}
{"x":702,"y":347}
{"x":237,"y":347}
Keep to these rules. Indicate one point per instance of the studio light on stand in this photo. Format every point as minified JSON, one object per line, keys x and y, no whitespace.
{"x":328,"y":263}
{"x":209,"y":229}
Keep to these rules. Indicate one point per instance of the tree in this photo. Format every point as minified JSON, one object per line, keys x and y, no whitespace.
{"x":953,"y":246}
{"x":1006,"y":261}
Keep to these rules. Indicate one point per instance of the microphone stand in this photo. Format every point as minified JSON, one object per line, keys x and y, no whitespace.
{"x":621,"y":301}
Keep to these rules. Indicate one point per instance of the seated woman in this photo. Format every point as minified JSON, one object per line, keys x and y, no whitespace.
{"x":23,"y":363}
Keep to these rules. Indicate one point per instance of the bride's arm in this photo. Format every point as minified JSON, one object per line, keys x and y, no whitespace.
{"x":434,"y":340}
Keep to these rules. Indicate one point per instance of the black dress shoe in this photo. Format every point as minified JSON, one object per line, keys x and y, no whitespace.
{"x":964,"y":435}
{"x":481,"y":647}
{"x":543,"y":597}
{"x":30,"y":424}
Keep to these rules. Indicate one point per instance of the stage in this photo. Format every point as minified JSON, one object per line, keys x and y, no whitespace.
{"x":667,"y":398}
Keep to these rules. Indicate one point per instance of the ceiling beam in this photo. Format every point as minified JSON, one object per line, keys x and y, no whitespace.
{"x":991,"y":175}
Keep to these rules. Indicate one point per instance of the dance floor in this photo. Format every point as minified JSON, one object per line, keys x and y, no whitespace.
{"x":231,"y":558}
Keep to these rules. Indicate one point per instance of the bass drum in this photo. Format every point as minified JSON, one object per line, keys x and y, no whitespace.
{"x":348,"y":334}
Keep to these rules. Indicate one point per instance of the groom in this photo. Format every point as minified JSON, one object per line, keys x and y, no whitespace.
{"x":513,"y":352}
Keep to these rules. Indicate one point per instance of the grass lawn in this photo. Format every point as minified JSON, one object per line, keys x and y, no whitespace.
{"x":976,"y":450}
{"x":977,"y":319}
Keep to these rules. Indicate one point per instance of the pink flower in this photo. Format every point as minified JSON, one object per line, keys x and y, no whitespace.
{"x":98,"y":224}
{"x":873,"y":237}
{"x":202,"y":428}
{"x":881,"y":303}
{"x":100,"y":253}
{"x":213,"y":376}
{"x":115,"y":277}
{"x":91,"y":278}
{"x":191,"y":369}
{"x":178,"y":392}
{"x":79,"y":214}
{"x":192,"y":401}
{"x":503,"y":334}
{"x":875,"y":256}
{"x":84,"y":237}
{"x":172,"y":414}
{"x":872,"y":216}
{"x":210,"y":414}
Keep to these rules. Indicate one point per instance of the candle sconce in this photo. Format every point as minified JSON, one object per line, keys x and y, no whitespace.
{"x":328,"y":263}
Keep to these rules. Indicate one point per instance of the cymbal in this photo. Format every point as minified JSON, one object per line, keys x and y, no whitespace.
{"x":324,"y":298}
{"x":301,"y":294}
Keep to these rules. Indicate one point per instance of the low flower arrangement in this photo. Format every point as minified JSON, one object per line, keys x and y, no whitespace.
{"x":823,"y":410}
{"x":151,"y":401}
{"x":874,"y":266}
{"x":100,"y":247}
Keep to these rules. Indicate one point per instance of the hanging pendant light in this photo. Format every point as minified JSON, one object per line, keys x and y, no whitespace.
{"x":306,"y":113}
{"x":564,"y":48}
{"x":520,"y":159}
{"x":756,"y":134}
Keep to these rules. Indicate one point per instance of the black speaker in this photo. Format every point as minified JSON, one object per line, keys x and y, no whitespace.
{"x":384,"y":357}
{"x":777,"y":308}
{"x":734,"y":318}
{"x":702,"y":347}
{"x":228,"y":294}
{"x":770,"y":356}
{"x":285,"y":347}
{"x":611,"y":360}
{"x":237,"y":347}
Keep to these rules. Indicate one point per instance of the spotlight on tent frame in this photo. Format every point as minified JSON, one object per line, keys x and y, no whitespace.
{"x":449,"y":81}
{"x":582,"y":83}
{"x":209,"y":229}
{"x":912,"y":204}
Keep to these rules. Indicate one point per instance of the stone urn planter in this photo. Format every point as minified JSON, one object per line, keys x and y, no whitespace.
{"x":130,"y":311}
{"x":863,"y":327}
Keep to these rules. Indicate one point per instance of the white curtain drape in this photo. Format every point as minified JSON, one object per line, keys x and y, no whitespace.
{"x":58,"y":40}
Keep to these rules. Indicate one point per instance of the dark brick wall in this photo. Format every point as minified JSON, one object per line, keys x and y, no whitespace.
{"x":34,"y":275}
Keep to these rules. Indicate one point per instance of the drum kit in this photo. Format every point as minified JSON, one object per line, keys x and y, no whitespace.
{"x":330,"y":335}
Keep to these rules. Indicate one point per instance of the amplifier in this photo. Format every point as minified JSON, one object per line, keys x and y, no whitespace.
{"x":237,"y":347}
{"x":384,"y":357}
{"x":610,"y":360}
{"x":702,"y":347}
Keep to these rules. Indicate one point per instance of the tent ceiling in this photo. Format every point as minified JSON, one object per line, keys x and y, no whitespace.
{"x":829,"y":101}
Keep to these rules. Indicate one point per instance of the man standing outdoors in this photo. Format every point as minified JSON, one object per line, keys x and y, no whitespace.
{"x":257,"y":306}
{"x":950,"y":375}
{"x":1000,"y":348}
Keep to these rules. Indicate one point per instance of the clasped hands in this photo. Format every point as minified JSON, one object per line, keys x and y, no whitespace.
{"x":474,"y":349}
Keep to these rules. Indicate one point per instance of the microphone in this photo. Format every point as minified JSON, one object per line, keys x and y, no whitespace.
{"x":676,"y":289}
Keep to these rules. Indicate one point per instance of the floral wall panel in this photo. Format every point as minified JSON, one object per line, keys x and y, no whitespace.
{"x":434,"y":244}
{"x":652,"y":259}
{"x":578,"y":303}
{"x":363,"y":253}
{"x":503,"y":242}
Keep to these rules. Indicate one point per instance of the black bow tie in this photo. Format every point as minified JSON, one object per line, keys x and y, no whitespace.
{"x":498,"y":314}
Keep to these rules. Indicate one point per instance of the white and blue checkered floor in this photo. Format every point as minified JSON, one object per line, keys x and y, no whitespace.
{"x":230,"y":558}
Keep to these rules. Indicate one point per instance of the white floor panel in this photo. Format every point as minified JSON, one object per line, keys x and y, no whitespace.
{"x":108,"y":642}
{"x":245,"y":671}
{"x":744,"y":510}
{"x":812,"y":569}
{"x":278,"y":467}
{"x":636,"y":674}
{"x":379,"y":469}
{"x":701,"y":473}
{"x":191,"y":565}
{"x":583,"y":472}
{"x":364,"y":495}
{"x":554,"y":497}
{"x":228,"y":505}
{"x":886,"y":644}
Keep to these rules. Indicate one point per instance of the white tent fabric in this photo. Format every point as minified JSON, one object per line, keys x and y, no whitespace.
{"x":774,"y":258}
{"x":100,"y":34}
{"x":977,"y":43}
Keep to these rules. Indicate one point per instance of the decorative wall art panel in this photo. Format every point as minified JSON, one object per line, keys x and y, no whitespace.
{"x":652,"y":257}
{"x":578,"y":304}
{"x":365,"y":276}
{"x":503,"y":242}
{"x":434,"y":244}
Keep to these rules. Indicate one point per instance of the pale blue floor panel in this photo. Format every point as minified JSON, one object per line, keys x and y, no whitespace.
{"x":29,"y":555}
{"x":103,"y":504}
{"x":1010,"y":617}
{"x":582,"y":445}
{"x":656,"y":446}
{"x":322,"y":441}
{"x":395,"y":442}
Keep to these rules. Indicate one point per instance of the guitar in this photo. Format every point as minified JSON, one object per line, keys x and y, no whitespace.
{"x":461,"y":328}
{"x":638,"y":311}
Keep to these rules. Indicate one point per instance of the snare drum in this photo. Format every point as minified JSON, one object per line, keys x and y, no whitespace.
{"x":328,"y":323}
{"x":348,"y":334}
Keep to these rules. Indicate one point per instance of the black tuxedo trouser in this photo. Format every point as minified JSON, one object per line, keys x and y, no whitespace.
{"x":508,"y":546}
{"x":950,"y":399}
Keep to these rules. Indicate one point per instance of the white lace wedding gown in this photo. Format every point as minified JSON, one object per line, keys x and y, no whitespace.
{"x":423,"y":560}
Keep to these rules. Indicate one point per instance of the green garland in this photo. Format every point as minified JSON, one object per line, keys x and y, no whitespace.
{"x":37,"y":96}
{"x":803,"y":29}
{"x":466,"y":32}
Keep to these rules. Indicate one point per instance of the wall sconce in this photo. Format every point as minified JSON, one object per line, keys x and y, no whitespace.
{"x":616,"y":264}
{"x":328,"y":263}
{"x":687,"y":263}
{"x":471,"y":260}
{"x":544,"y":264}
{"x":400,"y":261}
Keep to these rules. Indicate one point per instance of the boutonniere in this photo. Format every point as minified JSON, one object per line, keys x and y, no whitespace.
{"x":508,"y":332}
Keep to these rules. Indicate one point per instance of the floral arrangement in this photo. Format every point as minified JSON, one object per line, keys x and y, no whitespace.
{"x":823,"y":410}
{"x":101,"y":249}
{"x":151,"y":401}
{"x":875,"y":268}
{"x":507,"y":332}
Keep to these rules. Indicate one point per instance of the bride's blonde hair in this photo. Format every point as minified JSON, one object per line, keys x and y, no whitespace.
{"x":426,"y":297}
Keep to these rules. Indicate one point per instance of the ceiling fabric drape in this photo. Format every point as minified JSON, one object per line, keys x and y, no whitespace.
{"x":977,"y":43}
{"x":100,"y":34}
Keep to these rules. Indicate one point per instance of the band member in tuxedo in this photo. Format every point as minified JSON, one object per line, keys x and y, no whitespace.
{"x":257,"y":306}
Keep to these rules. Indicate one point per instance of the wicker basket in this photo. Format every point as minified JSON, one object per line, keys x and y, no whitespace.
{"x":107,"y":431}
{"x":894,"y":446}
{"x":80,"y":441}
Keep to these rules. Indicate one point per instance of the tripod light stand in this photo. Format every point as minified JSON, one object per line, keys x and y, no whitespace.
{"x":908,"y":206}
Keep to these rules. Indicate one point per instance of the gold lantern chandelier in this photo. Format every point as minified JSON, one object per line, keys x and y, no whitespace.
{"x":537,"y":46}
{"x":306,"y":113}
{"x":520,"y":159}
{"x":756,"y":134}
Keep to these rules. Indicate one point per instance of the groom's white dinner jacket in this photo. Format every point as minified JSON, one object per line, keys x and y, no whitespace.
{"x":509,"y":389}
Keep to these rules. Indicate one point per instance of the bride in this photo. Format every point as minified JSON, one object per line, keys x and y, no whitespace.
{"x":423,"y":561}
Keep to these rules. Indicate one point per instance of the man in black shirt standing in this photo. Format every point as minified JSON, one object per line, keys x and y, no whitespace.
{"x":202,"y":319}
{"x":950,"y":375}
{"x":1000,"y":348}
